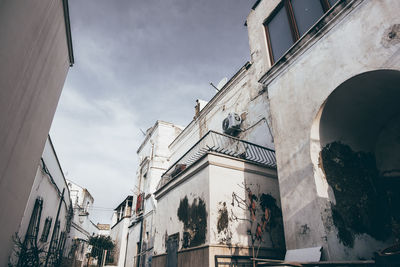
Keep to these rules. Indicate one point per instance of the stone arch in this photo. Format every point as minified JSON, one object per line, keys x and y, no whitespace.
{"x":355,"y":151}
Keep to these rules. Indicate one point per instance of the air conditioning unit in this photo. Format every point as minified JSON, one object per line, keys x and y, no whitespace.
{"x":231,"y":124}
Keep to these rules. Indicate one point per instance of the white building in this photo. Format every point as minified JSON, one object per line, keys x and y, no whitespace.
{"x":119,"y":233}
{"x":330,"y":73}
{"x":81,"y":226}
{"x":48,"y":213}
{"x":36,"y":53}
{"x":154,"y":160}
{"x":204,"y":196}
{"x":104,"y":229}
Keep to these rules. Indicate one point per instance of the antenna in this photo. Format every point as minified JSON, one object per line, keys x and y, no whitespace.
{"x":142,"y":132}
{"x":214,"y":87}
{"x":220,"y":84}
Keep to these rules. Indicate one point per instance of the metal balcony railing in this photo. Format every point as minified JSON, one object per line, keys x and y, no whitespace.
{"x":224,"y":144}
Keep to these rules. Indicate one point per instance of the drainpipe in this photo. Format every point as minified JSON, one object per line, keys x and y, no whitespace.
{"x":140,"y":242}
{"x":54,"y":228}
{"x":126,"y":247}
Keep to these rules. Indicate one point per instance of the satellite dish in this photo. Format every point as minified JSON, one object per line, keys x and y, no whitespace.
{"x":222,"y":83}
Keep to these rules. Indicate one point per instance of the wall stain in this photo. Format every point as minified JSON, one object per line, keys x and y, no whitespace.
{"x":265,"y":217}
{"x":223,"y":220}
{"x":391,"y":36}
{"x":224,"y":234}
{"x":363,"y":199}
{"x":304,"y":229}
{"x":194,"y":218}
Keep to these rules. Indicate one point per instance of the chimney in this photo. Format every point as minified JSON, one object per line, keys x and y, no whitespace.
{"x":200,"y":104}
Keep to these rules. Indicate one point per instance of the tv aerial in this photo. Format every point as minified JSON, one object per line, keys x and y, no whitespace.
{"x":220,"y":84}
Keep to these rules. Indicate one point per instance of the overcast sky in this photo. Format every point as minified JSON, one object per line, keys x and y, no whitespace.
{"x":137,"y":62}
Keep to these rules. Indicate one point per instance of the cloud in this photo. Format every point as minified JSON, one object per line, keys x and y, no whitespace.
{"x":97,"y":140}
{"x":137,"y":62}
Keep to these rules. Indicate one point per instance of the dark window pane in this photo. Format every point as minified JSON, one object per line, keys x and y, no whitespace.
{"x":280,"y":34}
{"x":306,"y":12}
{"x":332,"y":2}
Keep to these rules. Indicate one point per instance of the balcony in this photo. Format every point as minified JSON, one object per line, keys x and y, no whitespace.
{"x":222,"y":144}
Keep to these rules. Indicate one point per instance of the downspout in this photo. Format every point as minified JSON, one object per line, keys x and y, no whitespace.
{"x":140,"y":242}
{"x":54,"y":228}
{"x":126,"y":247}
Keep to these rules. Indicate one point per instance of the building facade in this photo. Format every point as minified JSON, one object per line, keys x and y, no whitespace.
{"x":222,"y":174}
{"x":153,"y":156}
{"x":82,"y":228}
{"x":119,"y":233}
{"x":36,"y":53}
{"x":330,"y":73}
{"x":46,"y":223}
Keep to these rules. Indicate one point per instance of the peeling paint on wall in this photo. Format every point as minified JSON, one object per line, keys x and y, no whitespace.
{"x":194,"y":218}
{"x":224,"y":233}
{"x":223,"y":221}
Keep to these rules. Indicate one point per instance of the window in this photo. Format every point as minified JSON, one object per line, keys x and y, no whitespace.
{"x":46,"y":229}
{"x":34,"y":223}
{"x":290,"y":20}
{"x":56,"y":230}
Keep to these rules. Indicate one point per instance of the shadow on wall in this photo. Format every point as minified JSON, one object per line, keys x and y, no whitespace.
{"x":262,"y":216}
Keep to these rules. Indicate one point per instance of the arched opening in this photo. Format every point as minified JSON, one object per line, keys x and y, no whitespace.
{"x":359,"y":138}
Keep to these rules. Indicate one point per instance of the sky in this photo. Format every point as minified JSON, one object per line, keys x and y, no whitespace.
{"x":137,"y":62}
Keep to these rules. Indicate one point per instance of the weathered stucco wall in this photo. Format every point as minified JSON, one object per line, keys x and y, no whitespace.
{"x":240,"y":95}
{"x":221,"y":188}
{"x":257,"y":39}
{"x":195,"y":192}
{"x":153,"y":162}
{"x":133,"y":238}
{"x":50,"y":192}
{"x":119,"y":235}
{"x":297,"y":90}
{"x":34,"y":63}
{"x":231,"y":184}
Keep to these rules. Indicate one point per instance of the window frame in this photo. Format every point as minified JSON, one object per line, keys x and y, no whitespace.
{"x":46,"y":229}
{"x":294,"y":29}
{"x":34,"y":223}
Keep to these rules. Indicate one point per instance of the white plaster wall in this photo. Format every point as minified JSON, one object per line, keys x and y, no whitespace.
{"x":46,"y":189}
{"x":82,"y":227}
{"x":215,"y":185}
{"x":133,"y":238}
{"x":228,"y":176}
{"x":119,"y":235}
{"x":155,"y":147}
{"x":353,"y":46}
{"x":166,"y":220}
{"x":257,"y":38}
{"x":34,"y":64}
{"x":80,"y":196}
{"x":241,"y":96}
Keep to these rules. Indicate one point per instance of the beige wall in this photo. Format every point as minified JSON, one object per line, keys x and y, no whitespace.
{"x":33,"y":66}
